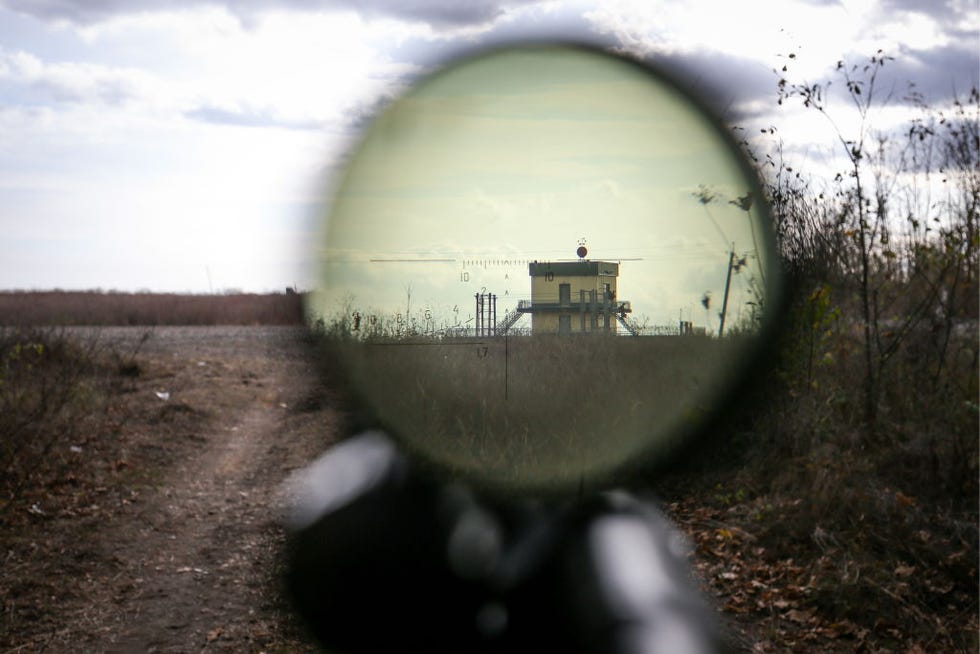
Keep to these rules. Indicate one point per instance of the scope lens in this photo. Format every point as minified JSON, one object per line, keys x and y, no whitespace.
{"x":543,"y":262}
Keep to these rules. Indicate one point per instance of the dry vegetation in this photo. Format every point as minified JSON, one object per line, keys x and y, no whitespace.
{"x":100,"y":308}
{"x":539,"y":410}
{"x":845,"y":517}
{"x":54,"y":391}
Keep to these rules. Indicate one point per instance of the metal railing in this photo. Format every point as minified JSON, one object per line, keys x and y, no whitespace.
{"x":617,"y":306}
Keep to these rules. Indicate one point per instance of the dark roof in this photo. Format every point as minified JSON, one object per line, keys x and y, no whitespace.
{"x":584,"y":268}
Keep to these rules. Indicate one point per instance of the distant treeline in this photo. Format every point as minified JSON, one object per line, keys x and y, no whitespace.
{"x":113,"y":308}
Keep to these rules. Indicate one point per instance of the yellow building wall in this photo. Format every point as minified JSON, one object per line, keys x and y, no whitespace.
{"x":545,"y":289}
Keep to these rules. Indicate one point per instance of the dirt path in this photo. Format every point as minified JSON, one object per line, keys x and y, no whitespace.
{"x":180,"y":554}
{"x":196,"y":564}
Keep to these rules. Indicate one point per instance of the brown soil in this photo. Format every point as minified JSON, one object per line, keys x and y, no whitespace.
{"x":163,"y":534}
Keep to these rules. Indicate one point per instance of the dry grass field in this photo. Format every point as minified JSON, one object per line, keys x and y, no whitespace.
{"x":540,"y":411}
{"x":60,"y":308}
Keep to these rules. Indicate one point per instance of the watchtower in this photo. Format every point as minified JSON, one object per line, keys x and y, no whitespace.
{"x":574,"y":297}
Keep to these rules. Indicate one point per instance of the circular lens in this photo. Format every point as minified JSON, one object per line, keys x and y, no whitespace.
{"x":543,"y":262}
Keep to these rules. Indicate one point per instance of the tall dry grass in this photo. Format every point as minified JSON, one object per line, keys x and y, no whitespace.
{"x":99,"y":308}
{"x":538,"y":410}
{"x":54,"y":390}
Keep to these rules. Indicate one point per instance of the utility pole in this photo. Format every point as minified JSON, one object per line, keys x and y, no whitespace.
{"x":728,"y":283}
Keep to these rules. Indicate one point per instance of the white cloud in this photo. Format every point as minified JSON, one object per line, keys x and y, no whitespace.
{"x":816,"y":34}
{"x":300,"y":68}
{"x":75,"y":82}
{"x":184,"y":162}
{"x":442,"y":14}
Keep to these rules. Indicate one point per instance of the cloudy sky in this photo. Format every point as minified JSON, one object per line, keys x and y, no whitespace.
{"x":148,"y":147}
